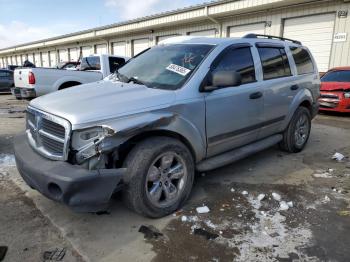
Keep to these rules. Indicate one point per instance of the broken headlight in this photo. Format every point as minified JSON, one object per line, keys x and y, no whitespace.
{"x":85,"y":142}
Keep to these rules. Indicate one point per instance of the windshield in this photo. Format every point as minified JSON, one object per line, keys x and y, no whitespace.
{"x":165,"y":67}
{"x":336,"y":76}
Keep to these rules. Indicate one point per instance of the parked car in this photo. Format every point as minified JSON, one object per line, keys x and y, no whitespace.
{"x":34,"y":82}
{"x":6,"y":80}
{"x":335,"y":90}
{"x":11,"y":67}
{"x":189,"y":104}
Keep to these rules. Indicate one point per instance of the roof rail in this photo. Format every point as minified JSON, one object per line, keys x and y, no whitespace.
{"x":272,"y":37}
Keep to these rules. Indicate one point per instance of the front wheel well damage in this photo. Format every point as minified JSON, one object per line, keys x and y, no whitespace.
{"x":307,"y":105}
{"x":124,"y":149}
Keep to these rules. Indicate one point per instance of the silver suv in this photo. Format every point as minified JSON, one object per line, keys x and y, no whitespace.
{"x":187,"y":104}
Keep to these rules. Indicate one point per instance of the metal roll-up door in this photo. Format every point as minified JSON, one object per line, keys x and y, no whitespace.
{"x":101,"y":49}
{"x":86,"y":51}
{"x":37,"y":60}
{"x":73,"y":54}
{"x":45,"y":59}
{"x":63,"y":55}
{"x":140,"y":45}
{"x":53,"y":58}
{"x":164,"y":37}
{"x":242,"y":30}
{"x":206,"y":33}
{"x":18,"y":60}
{"x":316,"y":33}
{"x":31,"y":58}
{"x":119,"y":48}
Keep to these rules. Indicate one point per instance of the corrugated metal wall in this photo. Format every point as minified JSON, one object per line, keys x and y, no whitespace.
{"x":228,"y":15}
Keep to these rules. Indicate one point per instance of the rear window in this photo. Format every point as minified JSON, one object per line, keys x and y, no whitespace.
{"x":336,"y":76}
{"x":274,"y":62}
{"x":302,"y":60}
{"x":90,"y":63}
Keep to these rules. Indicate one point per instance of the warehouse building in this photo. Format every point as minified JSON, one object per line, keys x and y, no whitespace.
{"x":322,"y":25}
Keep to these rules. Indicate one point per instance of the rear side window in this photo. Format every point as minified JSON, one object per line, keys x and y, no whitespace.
{"x":302,"y":60}
{"x":275,"y":62}
{"x":90,"y":63}
{"x":241,"y":61}
{"x":115,"y":63}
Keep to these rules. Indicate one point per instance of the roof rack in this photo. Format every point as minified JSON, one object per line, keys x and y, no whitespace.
{"x":272,"y":37}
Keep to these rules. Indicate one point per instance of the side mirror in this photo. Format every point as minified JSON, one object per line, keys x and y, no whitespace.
{"x":222,"y":78}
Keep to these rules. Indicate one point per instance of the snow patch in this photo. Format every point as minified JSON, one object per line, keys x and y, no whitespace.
{"x":6,"y":162}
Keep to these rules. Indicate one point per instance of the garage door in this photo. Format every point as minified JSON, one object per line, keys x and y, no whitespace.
{"x":86,"y":50}
{"x":242,"y":30}
{"x":208,"y":33}
{"x":315,"y":32}
{"x":101,"y":49}
{"x":63,"y":55}
{"x":24,"y":58}
{"x":164,"y":37}
{"x":18,"y":60}
{"x":119,"y":48}
{"x":73,"y":54}
{"x":37,"y":60}
{"x":45,"y":59}
{"x":139,"y":45}
{"x":53,"y":58}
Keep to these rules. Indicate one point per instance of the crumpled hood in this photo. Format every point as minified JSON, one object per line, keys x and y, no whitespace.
{"x":335,"y":86}
{"x":102,"y":100}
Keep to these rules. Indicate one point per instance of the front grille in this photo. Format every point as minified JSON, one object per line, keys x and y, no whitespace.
{"x":53,"y":128}
{"x":329,"y":96}
{"x":48,"y":134}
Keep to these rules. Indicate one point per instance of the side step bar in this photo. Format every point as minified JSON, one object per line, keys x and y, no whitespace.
{"x":237,"y":154}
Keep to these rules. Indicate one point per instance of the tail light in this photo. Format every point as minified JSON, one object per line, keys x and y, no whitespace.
{"x":31,"y":78}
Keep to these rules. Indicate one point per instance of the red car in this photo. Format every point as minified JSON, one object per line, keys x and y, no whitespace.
{"x":335,"y":90}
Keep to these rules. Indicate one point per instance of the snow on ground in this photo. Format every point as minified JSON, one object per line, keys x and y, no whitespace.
{"x":7,"y":161}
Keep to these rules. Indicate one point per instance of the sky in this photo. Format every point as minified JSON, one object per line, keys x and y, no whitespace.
{"x":23,"y":21}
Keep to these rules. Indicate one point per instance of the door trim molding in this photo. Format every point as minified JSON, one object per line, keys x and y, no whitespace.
{"x":215,"y":139}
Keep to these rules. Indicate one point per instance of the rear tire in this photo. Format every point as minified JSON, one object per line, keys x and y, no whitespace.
{"x":297,"y":134}
{"x":160,"y":174}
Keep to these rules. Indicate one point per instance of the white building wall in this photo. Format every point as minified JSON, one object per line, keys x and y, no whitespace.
{"x":227,"y":14}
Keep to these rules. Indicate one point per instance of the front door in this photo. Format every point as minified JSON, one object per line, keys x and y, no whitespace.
{"x":234,"y":114}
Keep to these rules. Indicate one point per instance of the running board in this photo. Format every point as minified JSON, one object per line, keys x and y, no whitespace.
{"x":237,"y":154}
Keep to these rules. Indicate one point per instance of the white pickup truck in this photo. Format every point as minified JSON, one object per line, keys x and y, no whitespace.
{"x":34,"y":82}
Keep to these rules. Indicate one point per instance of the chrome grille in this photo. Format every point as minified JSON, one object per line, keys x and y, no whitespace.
{"x":53,"y":128}
{"x":48,"y":134}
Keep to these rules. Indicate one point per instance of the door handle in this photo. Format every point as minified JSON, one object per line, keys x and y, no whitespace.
{"x":294,"y":87}
{"x":256,"y":95}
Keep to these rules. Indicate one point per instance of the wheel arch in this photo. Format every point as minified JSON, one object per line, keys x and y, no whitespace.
{"x":68,"y":84}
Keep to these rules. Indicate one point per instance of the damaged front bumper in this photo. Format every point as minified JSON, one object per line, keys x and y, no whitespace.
{"x":81,"y":189}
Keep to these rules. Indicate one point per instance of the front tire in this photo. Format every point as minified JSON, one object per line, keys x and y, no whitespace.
{"x":297,"y":134}
{"x":159,"y":178}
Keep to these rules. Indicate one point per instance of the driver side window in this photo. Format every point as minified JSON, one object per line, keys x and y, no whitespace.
{"x":241,"y":61}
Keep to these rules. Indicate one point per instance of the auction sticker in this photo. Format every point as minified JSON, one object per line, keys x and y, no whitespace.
{"x":178,"y":69}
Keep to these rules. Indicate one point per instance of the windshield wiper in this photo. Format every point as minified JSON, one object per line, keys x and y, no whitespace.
{"x":136,"y":81}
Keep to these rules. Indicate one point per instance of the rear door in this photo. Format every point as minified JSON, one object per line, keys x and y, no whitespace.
{"x":233,"y":113}
{"x":278,"y":86}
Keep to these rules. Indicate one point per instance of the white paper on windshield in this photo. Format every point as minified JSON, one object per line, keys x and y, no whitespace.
{"x":178,"y":69}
